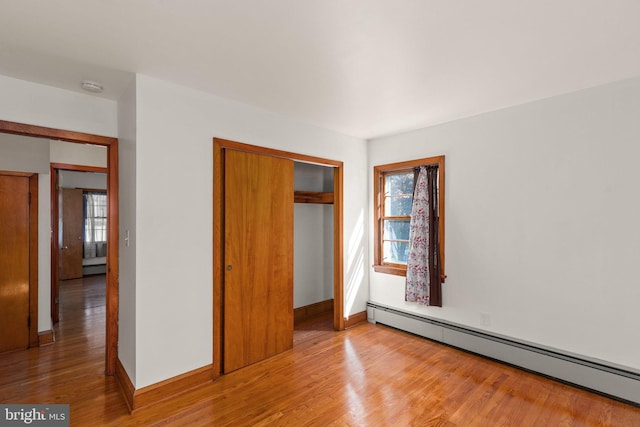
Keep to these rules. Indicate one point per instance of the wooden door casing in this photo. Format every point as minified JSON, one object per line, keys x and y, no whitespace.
{"x":258,"y":258}
{"x":71,"y":244}
{"x":15,"y":281}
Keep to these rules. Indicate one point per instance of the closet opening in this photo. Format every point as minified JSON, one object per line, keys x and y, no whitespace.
{"x":313,"y":301}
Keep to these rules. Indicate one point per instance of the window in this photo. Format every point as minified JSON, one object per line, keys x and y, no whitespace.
{"x":393,"y":195}
{"x":396,"y":216}
{"x":95,"y":224}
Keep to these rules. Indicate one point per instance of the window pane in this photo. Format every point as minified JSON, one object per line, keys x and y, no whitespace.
{"x":100,"y":229}
{"x":95,"y":222}
{"x":396,"y":229}
{"x":395,"y":252}
{"x":398,"y":205}
{"x":400,"y":183}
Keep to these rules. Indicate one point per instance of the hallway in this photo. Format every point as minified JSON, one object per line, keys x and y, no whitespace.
{"x":71,"y":370}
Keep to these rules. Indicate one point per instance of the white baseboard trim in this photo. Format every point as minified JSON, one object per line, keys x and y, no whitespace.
{"x":619,"y":382}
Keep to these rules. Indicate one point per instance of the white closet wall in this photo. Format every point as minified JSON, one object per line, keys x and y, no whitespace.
{"x":313,"y":238}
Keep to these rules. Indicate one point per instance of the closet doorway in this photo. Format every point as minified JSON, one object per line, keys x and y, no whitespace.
{"x":313,"y":248}
{"x":226,"y":332}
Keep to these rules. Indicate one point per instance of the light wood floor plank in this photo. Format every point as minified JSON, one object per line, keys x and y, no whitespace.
{"x":369,"y":375}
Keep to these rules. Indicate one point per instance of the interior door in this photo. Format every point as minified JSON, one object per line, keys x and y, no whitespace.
{"x":14,"y":262}
{"x":71,"y":233}
{"x":258,"y":254}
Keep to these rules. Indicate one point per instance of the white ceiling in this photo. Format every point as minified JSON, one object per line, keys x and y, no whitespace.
{"x":361,"y":67}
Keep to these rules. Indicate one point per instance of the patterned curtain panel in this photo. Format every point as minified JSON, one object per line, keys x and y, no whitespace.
{"x":423,"y":283}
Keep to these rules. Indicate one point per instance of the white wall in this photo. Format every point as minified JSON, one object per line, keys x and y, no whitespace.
{"x":542,"y":230}
{"x":174,"y":185}
{"x":127,"y":221}
{"x":313,"y":270}
{"x":44,"y":252}
{"x":78,"y":154}
{"x":23,"y":154}
{"x":84,"y":180}
{"x":40,"y":105}
{"x":36,"y":104}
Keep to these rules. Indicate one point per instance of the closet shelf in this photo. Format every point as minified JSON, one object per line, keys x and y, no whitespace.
{"x":313,"y":197}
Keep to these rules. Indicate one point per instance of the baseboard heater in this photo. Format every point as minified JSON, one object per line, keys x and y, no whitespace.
{"x":619,"y":382}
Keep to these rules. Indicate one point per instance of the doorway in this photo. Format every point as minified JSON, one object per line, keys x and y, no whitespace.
{"x":77,"y":253}
{"x":111,"y":340}
{"x":220,"y":228}
{"x":313,"y":248}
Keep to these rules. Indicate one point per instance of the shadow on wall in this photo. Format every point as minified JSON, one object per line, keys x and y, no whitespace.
{"x":355,"y":264}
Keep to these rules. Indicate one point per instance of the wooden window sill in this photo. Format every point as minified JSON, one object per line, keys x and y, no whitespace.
{"x":388,"y":269}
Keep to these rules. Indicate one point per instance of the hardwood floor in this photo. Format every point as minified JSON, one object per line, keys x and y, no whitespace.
{"x":369,"y":375}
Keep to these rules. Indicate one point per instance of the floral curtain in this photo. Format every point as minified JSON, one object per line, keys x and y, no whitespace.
{"x":423,"y":281}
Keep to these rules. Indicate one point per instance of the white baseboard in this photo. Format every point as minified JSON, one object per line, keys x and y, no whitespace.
{"x":616,"y":381}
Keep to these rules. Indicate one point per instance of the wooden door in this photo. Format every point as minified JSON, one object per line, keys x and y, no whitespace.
{"x":71,"y":243}
{"x":14,"y":262}
{"x":258,"y":254}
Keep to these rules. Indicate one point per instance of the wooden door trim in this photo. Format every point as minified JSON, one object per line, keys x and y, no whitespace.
{"x":219,"y":145}
{"x":240,"y":146}
{"x":79,"y":168}
{"x":55,"y":247}
{"x":111,"y":340}
{"x":33,"y":260}
{"x":51,"y":133}
{"x":12,"y":173}
{"x":338,"y":249}
{"x":33,"y":253}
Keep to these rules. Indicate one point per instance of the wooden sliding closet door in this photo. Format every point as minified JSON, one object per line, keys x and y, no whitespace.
{"x":258,"y":276}
{"x":14,"y":262}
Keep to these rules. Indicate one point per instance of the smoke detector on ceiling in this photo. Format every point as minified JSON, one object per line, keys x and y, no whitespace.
{"x":92,"y":86}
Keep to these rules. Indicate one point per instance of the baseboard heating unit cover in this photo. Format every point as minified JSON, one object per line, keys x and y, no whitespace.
{"x":616,"y":381}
